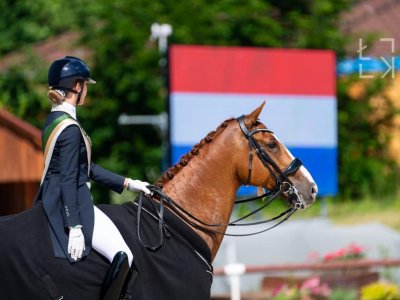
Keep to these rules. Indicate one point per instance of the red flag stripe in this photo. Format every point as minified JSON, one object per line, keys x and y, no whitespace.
{"x":252,"y":70}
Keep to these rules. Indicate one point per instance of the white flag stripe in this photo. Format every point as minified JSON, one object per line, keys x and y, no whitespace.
{"x":299,"y":121}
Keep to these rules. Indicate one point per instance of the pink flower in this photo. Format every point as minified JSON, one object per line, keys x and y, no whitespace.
{"x":311,"y":283}
{"x":278,"y":289}
{"x":355,"y":249}
{"x":341,"y":253}
{"x":315,"y":288}
{"x":350,"y":252}
{"x":329,"y":256}
{"x":324,"y":290}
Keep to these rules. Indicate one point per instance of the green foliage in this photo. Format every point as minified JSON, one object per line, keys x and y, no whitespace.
{"x":319,"y":29}
{"x":343,"y":294}
{"x":23,"y":22}
{"x":21,"y":94}
{"x":364,"y":134}
{"x":290,"y":294}
{"x":380,"y":291}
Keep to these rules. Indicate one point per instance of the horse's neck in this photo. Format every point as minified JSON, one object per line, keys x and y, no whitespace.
{"x":206,"y":188}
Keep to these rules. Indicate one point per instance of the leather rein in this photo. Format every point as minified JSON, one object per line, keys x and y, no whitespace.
{"x":283,"y":186}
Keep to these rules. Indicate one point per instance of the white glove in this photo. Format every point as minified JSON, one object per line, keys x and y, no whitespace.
{"x":76,"y":242}
{"x":138,"y":186}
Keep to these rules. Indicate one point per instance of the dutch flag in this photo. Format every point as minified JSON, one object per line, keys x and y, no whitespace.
{"x":211,"y":84}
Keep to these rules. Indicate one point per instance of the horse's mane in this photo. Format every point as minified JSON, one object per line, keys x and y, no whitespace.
{"x":185,"y":159}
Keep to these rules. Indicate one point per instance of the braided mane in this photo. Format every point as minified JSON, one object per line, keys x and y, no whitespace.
{"x":185,"y":159}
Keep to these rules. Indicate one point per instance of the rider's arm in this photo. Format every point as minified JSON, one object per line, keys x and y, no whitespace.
{"x":70,"y":143}
{"x":107,"y":178}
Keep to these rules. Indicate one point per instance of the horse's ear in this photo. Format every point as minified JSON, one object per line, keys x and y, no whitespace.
{"x":253,"y":116}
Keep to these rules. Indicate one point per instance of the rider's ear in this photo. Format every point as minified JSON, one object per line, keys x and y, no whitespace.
{"x":253,"y":116}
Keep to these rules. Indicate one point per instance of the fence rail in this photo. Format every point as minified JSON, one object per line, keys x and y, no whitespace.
{"x":365,"y":263}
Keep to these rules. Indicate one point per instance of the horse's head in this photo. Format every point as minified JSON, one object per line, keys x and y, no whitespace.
{"x":270,"y":164}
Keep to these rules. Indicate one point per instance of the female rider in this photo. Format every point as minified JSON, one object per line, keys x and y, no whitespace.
{"x":75,"y":224}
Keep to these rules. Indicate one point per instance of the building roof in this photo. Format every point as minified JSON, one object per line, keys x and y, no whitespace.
{"x":21,"y":127}
{"x":53,"y":48}
{"x":21,"y":155}
{"x":377,"y":18}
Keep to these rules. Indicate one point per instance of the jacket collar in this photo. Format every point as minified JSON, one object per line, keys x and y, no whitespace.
{"x":65,"y":107}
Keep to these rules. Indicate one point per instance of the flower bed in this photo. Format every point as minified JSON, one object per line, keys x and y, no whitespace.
{"x":351,"y":252}
{"x":342,"y":278}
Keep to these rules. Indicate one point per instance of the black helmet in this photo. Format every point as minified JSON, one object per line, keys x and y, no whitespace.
{"x":64,"y":72}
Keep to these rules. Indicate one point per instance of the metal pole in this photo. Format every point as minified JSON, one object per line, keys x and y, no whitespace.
{"x":159,"y":32}
{"x":161,"y":121}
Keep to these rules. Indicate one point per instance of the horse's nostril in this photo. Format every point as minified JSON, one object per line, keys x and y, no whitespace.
{"x":314,"y":190}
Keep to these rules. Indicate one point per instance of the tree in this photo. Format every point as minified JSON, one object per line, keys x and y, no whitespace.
{"x":365,"y":125}
{"x":24,"y":22}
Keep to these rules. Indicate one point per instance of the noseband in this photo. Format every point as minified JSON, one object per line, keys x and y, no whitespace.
{"x":283,"y":184}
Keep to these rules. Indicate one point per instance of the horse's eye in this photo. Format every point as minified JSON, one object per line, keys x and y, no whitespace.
{"x":272,"y":145}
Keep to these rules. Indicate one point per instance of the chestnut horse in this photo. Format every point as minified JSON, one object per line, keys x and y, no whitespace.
{"x":175,"y":236}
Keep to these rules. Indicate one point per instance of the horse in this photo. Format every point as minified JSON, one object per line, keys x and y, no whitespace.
{"x":174,"y":235}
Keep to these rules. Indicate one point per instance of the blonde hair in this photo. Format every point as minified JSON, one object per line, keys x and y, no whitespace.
{"x":56,"y":96}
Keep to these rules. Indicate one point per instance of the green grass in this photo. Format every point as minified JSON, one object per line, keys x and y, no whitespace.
{"x":344,"y":212}
{"x":384,"y":210}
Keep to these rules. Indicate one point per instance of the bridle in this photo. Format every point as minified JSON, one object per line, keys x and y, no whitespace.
{"x":283,"y":186}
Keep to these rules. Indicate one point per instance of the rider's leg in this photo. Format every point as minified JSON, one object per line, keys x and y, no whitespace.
{"x":107,"y":240}
{"x":117,"y":275}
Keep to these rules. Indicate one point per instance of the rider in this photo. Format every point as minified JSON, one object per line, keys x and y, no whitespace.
{"x":75,"y":224}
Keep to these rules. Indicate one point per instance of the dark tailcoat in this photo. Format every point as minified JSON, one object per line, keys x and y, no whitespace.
{"x":65,"y":194}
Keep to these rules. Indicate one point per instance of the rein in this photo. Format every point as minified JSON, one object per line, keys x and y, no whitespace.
{"x":283,"y":186}
{"x":193,"y":220}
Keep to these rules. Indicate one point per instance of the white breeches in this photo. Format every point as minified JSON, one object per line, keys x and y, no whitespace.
{"x":107,"y":240}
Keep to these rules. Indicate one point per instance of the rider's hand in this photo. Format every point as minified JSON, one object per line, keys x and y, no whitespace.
{"x":138,"y":186}
{"x":76,"y":242}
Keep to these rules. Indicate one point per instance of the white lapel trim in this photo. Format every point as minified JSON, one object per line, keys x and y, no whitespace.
{"x":50,"y":145}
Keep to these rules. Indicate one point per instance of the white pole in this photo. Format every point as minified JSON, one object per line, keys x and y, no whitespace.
{"x":234,"y":270}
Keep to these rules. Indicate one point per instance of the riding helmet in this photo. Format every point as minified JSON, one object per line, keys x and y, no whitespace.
{"x":64,"y":72}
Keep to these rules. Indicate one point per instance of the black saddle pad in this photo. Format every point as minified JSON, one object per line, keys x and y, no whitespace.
{"x":177,"y":270}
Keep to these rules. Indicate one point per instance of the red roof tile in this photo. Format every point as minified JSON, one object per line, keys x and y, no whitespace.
{"x":373,"y":17}
{"x":20,"y":127}
{"x":53,"y":48}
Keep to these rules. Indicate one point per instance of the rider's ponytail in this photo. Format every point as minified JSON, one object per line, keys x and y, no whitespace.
{"x":56,"y":96}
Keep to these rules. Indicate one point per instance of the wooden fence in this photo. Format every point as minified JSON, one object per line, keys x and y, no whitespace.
{"x":342,"y":265}
{"x":343,"y":274}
